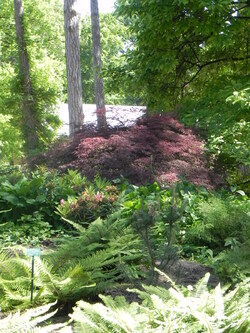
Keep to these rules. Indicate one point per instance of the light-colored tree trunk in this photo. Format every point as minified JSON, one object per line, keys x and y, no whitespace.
{"x":28,"y":119}
{"x":97,"y":65}
{"x":74,"y":84}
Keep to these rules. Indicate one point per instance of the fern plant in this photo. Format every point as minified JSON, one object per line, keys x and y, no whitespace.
{"x":174,"y":310}
{"x":28,"y":321}
{"x":16,"y":277}
{"x":105,"y":254}
{"x":108,"y":251}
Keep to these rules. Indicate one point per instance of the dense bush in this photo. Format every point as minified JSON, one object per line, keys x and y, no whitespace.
{"x":158,"y":148}
{"x":36,"y":194}
{"x":218,"y":220}
{"x":221,"y":114}
{"x":97,"y":200}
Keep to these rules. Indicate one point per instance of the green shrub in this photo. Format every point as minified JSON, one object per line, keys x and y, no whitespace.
{"x":219,"y":219}
{"x":25,"y":194}
{"x":221,"y":114}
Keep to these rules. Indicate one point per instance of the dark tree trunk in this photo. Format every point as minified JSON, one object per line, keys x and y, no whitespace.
{"x":74,"y":83}
{"x":97,"y":64}
{"x":29,"y":107}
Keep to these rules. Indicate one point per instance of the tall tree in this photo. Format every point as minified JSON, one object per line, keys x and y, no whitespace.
{"x":97,"y":64}
{"x":74,"y":83}
{"x":44,"y":41}
{"x":29,"y":120}
{"x":114,"y":38}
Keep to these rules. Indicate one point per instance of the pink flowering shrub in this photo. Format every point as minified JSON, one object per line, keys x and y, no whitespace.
{"x":91,"y":205}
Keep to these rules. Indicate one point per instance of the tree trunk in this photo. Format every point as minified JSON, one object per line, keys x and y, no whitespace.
{"x":97,"y":64}
{"x":29,"y":119}
{"x":74,"y":83}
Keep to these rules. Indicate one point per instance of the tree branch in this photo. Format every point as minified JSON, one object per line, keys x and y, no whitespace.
{"x":200,"y":67}
{"x":241,"y":17}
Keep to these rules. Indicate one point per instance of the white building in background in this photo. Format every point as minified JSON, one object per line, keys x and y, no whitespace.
{"x":117,"y":116}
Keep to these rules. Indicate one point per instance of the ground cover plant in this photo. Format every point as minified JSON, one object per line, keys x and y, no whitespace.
{"x":174,"y":310}
{"x":147,"y":226}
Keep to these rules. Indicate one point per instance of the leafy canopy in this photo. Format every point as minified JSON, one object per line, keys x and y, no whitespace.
{"x":177,"y":42}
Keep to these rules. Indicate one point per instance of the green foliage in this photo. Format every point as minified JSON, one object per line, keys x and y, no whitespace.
{"x":105,"y":254}
{"x":108,"y":250}
{"x":215,"y":231}
{"x":30,"y":229}
{"x":28,"y":321}
{"x":221,"y":114}
{"x":191,"y":310}
{"x":219,"y":219}
{"x":10,"y":140}
{"x":158,"y":217}
{"x":113,"y":43}
{"x":178,"y":44}
{"x":67,"y":284}
{"x":29,"y":196}
{"x":44,"y":39}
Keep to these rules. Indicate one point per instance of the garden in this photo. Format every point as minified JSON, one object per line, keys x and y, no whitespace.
{"x":142,"y":226}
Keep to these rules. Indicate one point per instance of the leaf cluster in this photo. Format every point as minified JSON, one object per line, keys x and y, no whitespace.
{"x":178,"y":43}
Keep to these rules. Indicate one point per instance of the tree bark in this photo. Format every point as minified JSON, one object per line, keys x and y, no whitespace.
{"x":29,"y":119}
{"x":97,"y":65}
{"x":74,"y":83}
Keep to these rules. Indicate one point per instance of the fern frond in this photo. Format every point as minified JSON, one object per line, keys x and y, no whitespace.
{"x":27,"y":322}
{"x":168,"y":311}
{"x":77,"y":226}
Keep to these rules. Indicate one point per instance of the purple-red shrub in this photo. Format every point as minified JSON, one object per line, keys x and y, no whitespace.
{"x":158,"y":148}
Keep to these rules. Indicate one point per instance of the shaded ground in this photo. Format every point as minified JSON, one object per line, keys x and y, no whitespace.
{"x":156,"y":147}
{"x":182,"y":273}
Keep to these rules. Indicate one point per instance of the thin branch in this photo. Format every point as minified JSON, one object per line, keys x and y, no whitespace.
{"x":241,"y":17}
{"x":194,"y":52}
{"x":200,"y":67}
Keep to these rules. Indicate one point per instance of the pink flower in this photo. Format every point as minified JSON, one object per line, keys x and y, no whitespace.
{"x":62,"y":202}
{"x":98,"y":196}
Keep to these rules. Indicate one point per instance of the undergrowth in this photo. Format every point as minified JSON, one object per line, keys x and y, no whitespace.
{"x":174,"y":310}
